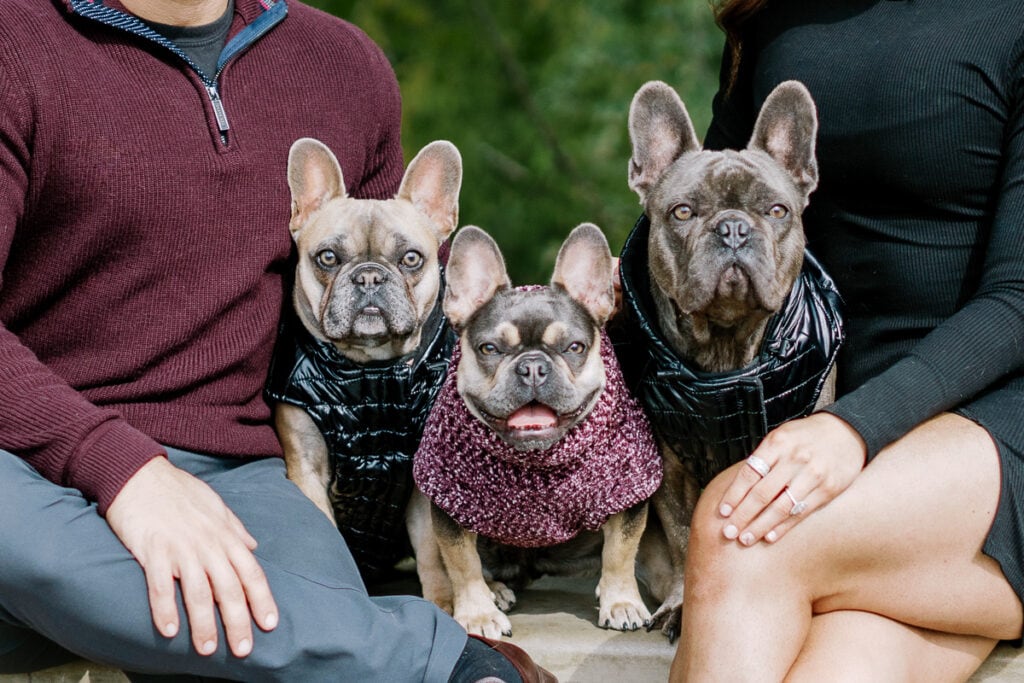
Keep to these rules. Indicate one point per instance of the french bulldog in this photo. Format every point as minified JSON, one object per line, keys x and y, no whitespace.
{"x":367,"y":293}
{"x":535,"y":458}
{"x":724,"y":251}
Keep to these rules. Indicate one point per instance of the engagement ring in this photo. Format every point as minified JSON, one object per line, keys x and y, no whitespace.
{"x":798,"y":505}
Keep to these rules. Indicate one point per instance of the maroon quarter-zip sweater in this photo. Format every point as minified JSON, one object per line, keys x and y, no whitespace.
{"x":144,"y":224}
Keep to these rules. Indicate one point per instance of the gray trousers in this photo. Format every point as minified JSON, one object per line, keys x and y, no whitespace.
{"x":69,"y":587}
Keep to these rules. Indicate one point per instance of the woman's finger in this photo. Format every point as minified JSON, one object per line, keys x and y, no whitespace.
{"x":787,"y":510}
{"x":754,"y":469}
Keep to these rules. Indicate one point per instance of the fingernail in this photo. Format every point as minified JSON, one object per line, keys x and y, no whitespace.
{"x":747,"y":538}
{"x":244,"y":647}
{"x":270,"y":621}
{"x":170,"y":629}
{"x":208,"y":648}
{"x":771,"y":536}
{"x":730,"y":531}
{"x":725,"y":510}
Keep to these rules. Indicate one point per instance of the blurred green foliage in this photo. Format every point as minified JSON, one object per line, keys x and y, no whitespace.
{"x":535,"y":94}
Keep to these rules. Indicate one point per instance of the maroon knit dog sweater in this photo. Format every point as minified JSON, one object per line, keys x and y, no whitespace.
{"x":604,"y":465}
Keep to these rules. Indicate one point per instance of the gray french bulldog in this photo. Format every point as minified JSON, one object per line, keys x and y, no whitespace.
{"x":724,"y":250}
{"x":524,"y":458}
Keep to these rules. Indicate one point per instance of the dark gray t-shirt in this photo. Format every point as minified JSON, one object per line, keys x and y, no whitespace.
{"x":202,"y":44}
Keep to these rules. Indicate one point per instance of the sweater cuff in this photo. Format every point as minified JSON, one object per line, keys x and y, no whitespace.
{"x":108,"y":459}
{"x":883,"y":411}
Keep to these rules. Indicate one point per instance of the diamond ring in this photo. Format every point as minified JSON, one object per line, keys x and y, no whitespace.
{"x":759,"y":466}
{"x":798,"y":505}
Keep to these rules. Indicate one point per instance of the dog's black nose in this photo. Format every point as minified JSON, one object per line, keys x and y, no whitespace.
{"x":369,"y":276}
{"x":733,"y":231}
{"x":533,"y":368}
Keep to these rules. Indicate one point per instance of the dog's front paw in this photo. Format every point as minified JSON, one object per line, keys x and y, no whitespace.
{"x":670,"y":618}
{"x":621,"y":608}
{"x":623,"y":615}
{"x":669,"y":615}
{"x":504,"y":597}
{"x":489,"y":623}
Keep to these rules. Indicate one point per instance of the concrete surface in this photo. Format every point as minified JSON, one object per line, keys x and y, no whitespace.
{"x":555,"y":622}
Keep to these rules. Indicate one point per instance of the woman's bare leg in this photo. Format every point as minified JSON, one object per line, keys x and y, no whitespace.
{"x":860,"y":646}
{"x":904,"y":541}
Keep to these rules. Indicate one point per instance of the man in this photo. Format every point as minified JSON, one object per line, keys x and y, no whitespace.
{"x":143,"y":239}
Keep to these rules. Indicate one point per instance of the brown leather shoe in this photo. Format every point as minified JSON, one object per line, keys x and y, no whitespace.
{"x":526,"y":667}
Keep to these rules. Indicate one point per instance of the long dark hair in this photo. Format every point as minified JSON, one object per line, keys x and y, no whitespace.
{"x":731,"y":15}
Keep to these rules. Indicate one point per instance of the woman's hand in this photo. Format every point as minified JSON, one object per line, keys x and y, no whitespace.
{"x":177,"y":527}
{"x":810,"y":461}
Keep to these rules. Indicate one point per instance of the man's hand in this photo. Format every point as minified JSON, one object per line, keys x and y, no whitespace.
{"x":177,"y":527}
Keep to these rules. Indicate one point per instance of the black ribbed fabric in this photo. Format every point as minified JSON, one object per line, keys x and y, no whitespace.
{"x":919,"y":216}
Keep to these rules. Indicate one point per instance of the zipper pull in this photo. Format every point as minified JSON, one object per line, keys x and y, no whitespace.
{"x":218,"y":111}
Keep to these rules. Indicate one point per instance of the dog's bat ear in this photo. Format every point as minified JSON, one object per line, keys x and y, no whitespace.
{"x":786,"y":129}
{"x":584,"y":269}
{"x":314,"y":177}
{"x":475,"y":273}
{"x":432,"y":182}
{"x":661,"y":132}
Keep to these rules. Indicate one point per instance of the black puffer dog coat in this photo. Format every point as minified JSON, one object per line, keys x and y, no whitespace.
{"x":717,"y":419}
{"x":372,"y":418}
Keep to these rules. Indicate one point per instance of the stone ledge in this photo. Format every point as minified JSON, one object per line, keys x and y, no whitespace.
{"x":555,"y":622}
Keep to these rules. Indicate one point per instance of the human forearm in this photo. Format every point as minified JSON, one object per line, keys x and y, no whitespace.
{"x":66,"y":438}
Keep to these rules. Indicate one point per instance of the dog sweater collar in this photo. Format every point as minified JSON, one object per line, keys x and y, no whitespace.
{"x":719,"y":418}
{"x":604,"y":465}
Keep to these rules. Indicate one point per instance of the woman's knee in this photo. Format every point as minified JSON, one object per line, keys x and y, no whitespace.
{"x":715,"y":563}
{"x":711,"y":557}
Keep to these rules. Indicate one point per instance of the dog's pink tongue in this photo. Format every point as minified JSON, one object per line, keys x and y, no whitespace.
{"x":533,"y":416}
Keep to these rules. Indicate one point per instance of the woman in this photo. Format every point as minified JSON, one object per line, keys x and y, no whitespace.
{"x":884,"y":541}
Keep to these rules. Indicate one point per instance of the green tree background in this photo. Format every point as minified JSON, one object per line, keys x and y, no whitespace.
{"x":535,"y":94}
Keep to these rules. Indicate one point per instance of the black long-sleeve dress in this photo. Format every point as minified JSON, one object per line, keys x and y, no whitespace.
{"x":919,"y":215}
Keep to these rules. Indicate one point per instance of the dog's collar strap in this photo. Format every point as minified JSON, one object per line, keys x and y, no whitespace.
{"x":722,"y":417}
{"x":604,"y":465}
{"x":371,"y":417}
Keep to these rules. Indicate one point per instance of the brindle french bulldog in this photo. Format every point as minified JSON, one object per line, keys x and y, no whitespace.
{"x":535,"y":456}
{"x":725,"y":247}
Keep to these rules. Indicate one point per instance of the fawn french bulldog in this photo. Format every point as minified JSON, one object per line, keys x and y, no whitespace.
{"x":357,"y":373}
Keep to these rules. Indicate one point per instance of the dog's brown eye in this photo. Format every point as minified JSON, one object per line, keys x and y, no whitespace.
{"x":327,"y":258}
{"x":778,"y":211}
{"x":576,"y":347}
{"x":683,"y":212}
{"x":488,"y":349}
{"x":412,"y":259}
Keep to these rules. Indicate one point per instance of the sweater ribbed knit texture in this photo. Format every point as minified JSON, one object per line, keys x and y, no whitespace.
{"x":604,"y":465}
{"x":144,"y":260}
{"x":919,"y":215}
